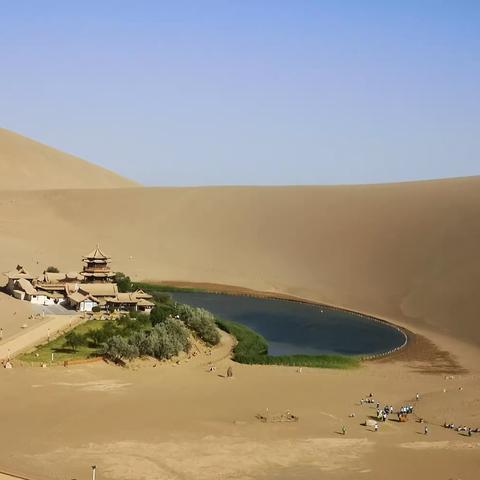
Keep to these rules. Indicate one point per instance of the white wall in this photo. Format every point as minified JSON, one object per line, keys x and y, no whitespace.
{"x":87,"y":306}
{"x":38,"y":299}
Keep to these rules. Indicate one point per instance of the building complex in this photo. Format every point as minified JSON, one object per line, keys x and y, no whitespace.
{"x":93,"y":288}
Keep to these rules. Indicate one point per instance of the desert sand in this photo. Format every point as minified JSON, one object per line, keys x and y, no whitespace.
{"x":29,"y":165}
{"x":407,"y":253}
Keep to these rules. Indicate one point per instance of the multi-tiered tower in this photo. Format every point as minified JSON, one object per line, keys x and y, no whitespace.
{"x":97,"y":267}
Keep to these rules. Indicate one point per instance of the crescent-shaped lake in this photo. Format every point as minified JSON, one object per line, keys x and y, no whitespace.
{"x":294,"y":328}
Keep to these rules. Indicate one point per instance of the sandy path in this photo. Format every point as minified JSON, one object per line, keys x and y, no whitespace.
{"x":51,"y":326}
{"x":12,"y":476}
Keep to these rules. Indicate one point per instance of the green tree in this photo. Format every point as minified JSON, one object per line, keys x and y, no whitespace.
{"x":165,"y":340}
{"x":119,"y":348}
{"x":161,"y":297}
{"x":201,"y":321}
{"x":100,"y":336}
{"x":74,"y":340}
{"x":161,"y":312}
{"x":53,"y":270}
{"x":123,"y":282}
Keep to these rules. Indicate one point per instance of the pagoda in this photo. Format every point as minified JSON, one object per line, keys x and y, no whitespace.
{"x":97,"y":267}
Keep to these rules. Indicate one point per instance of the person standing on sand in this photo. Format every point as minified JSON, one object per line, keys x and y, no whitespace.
{"x":426,"y":430}
{"x":344,"y":430}
{"x":376,"y":427}
{"x":230,"y":372}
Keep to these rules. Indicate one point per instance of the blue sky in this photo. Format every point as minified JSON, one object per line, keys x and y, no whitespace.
{"x":248,"y":91}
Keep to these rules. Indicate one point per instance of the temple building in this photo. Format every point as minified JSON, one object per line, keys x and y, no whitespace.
{"x":92,"y":288}
{"x":97,"y":267}
{"x":15,"y":275}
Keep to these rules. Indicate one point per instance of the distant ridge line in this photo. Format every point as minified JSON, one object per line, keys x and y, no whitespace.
{"x":30,"y":165}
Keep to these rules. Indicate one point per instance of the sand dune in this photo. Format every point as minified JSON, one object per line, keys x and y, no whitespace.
{"x":29,"y":165}
{"x":408,"y":252}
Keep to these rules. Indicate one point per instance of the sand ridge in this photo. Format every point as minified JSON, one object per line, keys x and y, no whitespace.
{"x":29,"y":165}
{"x":407,"y":253}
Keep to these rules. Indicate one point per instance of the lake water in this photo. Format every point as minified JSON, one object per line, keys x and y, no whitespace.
{"x":297,"y":328}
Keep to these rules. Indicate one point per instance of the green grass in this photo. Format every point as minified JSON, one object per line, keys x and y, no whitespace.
{"x":252,"y":349}
{"x":150,"y":287}
{"x":60,"y":351}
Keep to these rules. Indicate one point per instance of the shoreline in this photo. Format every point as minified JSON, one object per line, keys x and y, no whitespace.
{"x":220,"y":289}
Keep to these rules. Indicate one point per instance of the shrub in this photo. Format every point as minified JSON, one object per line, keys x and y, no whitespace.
{"x":102,"y":335}
{"x":119,"y":348}
{"x":53,"y":270}
{"x":161,"y":297}
{"x":123,"y":282}
{"x":142,"y":319}
{"x":177,"y":332}
{"x":201,"y":321}
{"x":250,"y":345}
{"x":166,"y":340}
{"x":96,"y":309}
{"x":161,"y":312}
{"x":169,"y":338}
{"x":128,"y":325}
{"x":74,"y":340}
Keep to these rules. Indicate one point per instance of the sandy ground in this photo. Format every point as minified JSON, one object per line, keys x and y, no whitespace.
{"x":14,"y":314}
{"x":407,"y":253}
{"x":48,"y":327}
{"x":23,"y":327}
{"x":182,"y":421}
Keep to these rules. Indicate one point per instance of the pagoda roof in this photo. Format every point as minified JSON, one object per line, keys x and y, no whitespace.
{"x":18,"y":273}
{"x":123,"y":298}
{"x":142,"y":302}
{"x":142,"y":294}
{"x":99,"y":289}
{"x":96,"y":254}
{"x":26,"y":286}
{"x":86,"y":273}
{"x":78,"y":297}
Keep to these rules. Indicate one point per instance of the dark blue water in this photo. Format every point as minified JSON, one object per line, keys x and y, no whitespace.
{"x":296,"y":328}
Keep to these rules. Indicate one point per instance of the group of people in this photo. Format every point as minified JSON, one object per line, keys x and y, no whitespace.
{"x":383,"y":414}
{"x":461,"y":428}
{"x":369,"y":399}
{"x":404,"y":412}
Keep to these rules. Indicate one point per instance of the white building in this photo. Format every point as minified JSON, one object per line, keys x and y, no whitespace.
{"x":82,"y":302}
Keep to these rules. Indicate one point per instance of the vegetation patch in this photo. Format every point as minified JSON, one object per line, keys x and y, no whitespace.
{"x":151,"y":288}
{"x":62,"y":350}
{"x":163,"y":334}
{"x":201,"y":321}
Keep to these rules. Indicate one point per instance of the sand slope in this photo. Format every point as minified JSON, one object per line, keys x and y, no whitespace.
{"x":408,"y":252}
{"x":26,"y":165}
